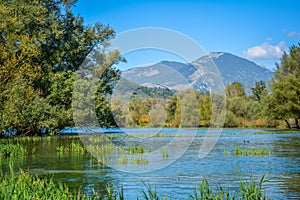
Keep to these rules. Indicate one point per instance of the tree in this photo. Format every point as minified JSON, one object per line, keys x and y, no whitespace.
{"x":284,"y":101}
{"x":259,"y":90}
{"x":205,"y":110}
{"x":42,"y":44}
{"x":190,"y":110}
{"x":235,"y":89}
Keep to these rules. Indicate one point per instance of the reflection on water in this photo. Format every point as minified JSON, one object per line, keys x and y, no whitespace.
{"x":181,"y":177}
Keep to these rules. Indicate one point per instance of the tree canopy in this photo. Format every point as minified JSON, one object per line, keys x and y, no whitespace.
{"x":42,"y":44}
{"x":284,"y":100}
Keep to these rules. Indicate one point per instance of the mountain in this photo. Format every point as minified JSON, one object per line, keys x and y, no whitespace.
{"x":201,"y":74}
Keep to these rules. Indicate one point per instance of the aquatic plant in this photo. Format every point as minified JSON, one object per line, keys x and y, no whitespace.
{"x":255,"y":152}
{"x":9,"y":150}
{"x":101,"y":152}
{"x":72,"y":148}
{"x":135,"y":150}
{"x":23,"y":185}
{"x":164,"y":153}
{"x":140,"y":160}
{"x":226,"y":153}
{"x":123,"y":160}
{"x":150,"y":194}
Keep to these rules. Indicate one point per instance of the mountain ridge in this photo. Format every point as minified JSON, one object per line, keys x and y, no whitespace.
{"x":201,"y":73}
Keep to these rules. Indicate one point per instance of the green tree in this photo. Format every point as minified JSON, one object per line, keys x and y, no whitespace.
{"x":259,"y":90}
{"x":42,"y":43}
{"x":284,"y":101}
{"x":205,"y":110}
{"x":235,"y":89}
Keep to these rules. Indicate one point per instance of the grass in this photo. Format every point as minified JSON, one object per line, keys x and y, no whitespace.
{"x":135,"y":150}
{"x":226,"y":153}
{"x":23,"y":185}
{"x":140,"y":160}
{"x":164,"y":153}
{"x":72,"y":148}
{"x":255,"y":152}
{"x":101,"y":152}
{"x":10,"y":150}
{"x":123,"y":160}
{"x":248,"y":190}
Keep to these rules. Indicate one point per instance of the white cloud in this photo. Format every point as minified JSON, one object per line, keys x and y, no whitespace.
{"x":293,"y":34}
{"x":266,"y":51}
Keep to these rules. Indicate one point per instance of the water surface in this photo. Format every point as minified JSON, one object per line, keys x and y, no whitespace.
{"x":181,"y":177}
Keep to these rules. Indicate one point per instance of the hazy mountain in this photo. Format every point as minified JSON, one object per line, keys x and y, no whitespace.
{"x":200,"y":74}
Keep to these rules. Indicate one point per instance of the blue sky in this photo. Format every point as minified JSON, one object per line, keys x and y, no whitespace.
{"x":257,"y":30}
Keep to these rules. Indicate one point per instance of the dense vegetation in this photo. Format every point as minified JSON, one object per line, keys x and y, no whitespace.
{"x":43,"y":44}
{"x":27,"y":186}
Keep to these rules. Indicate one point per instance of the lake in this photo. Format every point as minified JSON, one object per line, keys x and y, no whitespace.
{"x":221,"y":167}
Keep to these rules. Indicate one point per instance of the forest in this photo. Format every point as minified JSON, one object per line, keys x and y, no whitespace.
{"x":43,"y":44}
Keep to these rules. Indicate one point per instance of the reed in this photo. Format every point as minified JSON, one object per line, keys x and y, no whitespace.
{"x":226,"y":153}
{"x":101,"y":152}
{"x":9,"y":150}
{"x":135,"y":150}
{"x":138,"y":160}
{"x":164,"y":153}
{"x":23,"y":185}
{"x":72,"y":148}
{"x":123,"y":160}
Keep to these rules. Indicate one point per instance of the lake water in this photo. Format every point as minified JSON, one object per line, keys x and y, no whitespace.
{"x":181,"y":177}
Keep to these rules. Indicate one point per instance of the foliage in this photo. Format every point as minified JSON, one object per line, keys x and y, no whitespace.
{"x":42,"y":44}
{"x":235,"y":89}
{"x":259,"y":90}
{"x":11,"y":150}
{"x":23,"y":185}
{"x":26,"y":186}
{"x":284,"y":100}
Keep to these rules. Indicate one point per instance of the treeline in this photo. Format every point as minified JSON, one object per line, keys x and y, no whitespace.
{"x":43,"y":44}
{"x":270,"y":105}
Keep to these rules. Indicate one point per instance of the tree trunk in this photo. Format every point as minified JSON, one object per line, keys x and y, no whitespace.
{"x":288,"y":124}
{"x":297,"y":123}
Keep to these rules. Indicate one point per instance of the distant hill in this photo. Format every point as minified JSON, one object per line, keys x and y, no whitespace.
{"x":198,"y":74}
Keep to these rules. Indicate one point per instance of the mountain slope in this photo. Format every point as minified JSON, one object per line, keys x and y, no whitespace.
{"x":201,"y":73}
{"x":236,"y":69}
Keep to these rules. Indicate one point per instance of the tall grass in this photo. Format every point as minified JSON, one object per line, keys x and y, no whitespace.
{"x":139,"y":160}
{"x":249,"y":190}
{"x":72,"y":148}
{"x":9,"y":150}
{"x":22,"y":185}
